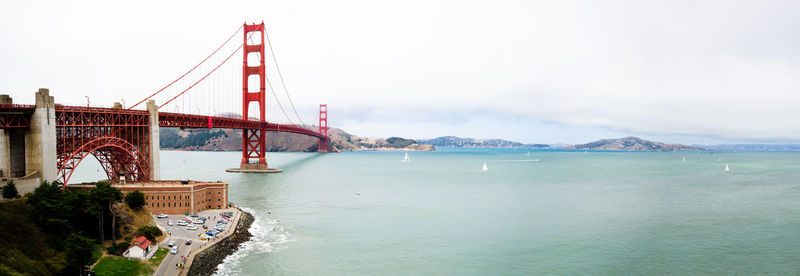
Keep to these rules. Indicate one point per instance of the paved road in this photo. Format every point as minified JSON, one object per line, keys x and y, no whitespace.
{"x":179,"y":234}
{"x":168,"y":266}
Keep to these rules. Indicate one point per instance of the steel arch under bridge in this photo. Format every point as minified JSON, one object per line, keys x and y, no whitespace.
{"x":117,"y":156}
{"x":119,"y":140}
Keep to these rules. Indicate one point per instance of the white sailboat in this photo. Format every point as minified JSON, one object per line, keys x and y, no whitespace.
{"x":727,"y":169}
{"x":406,"y":159}
{"x":684,"y":159}
{"x":485,"y":168}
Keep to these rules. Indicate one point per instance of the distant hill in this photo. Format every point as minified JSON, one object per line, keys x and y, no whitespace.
{"x":231,"y":140}
{"x":458,"y":142}
{"x":752,"y":147}
{"x":349,"y":142}
{"x":632,"y":144}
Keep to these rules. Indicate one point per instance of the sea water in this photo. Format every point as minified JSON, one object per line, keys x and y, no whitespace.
{"x":531,"y":212}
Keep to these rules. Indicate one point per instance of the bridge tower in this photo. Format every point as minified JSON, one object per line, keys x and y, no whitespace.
{"x":323,"y":127}
{"x":254,"y":140}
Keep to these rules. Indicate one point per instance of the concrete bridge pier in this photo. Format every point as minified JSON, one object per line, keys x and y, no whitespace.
{"x":28,"y":156}
{"x":40,"y":141}
{"x":155,"y":146}
{"x":6,"y":137}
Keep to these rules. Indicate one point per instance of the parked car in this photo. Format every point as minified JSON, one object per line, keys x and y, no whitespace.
{"x":194,"y":215}
{"x":171,"y":244}
{"x":182,"y":223}
{"x":161,"y":216}
{"x":191,"y":227}
{"x":174,"y":250}
{"x":222,"y":221}
{"x":170,"y":223}
{"x":197,"y":222}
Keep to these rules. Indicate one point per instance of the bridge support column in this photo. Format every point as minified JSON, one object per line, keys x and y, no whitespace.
{"x":40,"y":141}
{"x":5,"y":145}
{"x":155,"y":146}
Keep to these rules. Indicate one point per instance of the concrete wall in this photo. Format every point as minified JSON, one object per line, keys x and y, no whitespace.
{"x":40,"y":140}
{"x":16,"y":152}
{"x":12,"y":153}
{"x":155,"y":145}
{"x":5,"y":147}
{"x":5,"y":154}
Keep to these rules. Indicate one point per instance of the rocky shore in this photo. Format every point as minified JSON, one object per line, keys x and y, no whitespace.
{"x":206,"y":262}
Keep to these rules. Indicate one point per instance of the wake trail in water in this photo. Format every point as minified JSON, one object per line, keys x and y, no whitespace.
{"x":268,"y":237}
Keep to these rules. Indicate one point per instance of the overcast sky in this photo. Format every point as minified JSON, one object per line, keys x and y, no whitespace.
{"x":532,"y":71}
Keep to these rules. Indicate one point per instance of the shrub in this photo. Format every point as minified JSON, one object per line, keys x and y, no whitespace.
{"x":10,"y":190}
{"x":135,"y":200}
{"x":150,"y":232}
{"x":118,"y":249}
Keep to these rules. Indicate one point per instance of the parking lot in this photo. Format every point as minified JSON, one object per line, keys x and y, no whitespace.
{"x":180,"y":234}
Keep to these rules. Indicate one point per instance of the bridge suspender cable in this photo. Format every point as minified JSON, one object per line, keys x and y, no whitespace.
{"x":269,"y":84}
{"x":210,"y":72}
{"x":277,"y":68}
{"x":278,"y":101}
{"x":190,"y":70}
{"x":204,"y":77}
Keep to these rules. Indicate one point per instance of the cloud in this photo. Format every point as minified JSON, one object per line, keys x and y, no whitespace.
{"x":676,"y":68}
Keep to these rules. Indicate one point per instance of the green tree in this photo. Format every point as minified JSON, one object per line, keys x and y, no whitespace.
{"x":47,"y":201}
{"x":151,"y":232}
{"x":135,"y":200}
{"x":10,"y":190}
{"x":104,"y":196}
{"x":78,"y":210}
{"x":79,"y":251}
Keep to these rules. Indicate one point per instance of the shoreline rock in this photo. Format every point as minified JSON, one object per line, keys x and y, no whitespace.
{"x":206,"y":262}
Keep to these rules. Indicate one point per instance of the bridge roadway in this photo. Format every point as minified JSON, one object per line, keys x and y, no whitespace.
{"x":17,"y":116}
{"x":48,"y":141}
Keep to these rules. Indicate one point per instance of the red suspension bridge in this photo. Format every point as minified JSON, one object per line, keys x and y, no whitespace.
{"x":51,"y":140}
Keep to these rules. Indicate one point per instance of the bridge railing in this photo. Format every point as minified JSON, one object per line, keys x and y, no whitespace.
{"x":17,"y":106}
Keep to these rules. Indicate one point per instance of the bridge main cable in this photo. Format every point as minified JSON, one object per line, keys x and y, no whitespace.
{"x":207,"y":74}
{"x":204,"y":77}
{"x":190,"y":70}
{"x":278,"y":68}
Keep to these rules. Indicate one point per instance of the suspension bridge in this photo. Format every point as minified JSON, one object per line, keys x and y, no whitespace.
{"x":49,"y":140}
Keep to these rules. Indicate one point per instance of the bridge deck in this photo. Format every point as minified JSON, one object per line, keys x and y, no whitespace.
{"x":17,"y":116}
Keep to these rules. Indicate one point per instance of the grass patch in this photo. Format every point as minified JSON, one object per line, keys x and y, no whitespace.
{"x":159,"y":256}
{"x":98,"y":252}
{"x":112,"y":265}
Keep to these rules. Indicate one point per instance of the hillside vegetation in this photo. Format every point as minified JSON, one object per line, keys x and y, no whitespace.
{"x":632,"y":144}
{"x":458,"y":142}
{"x":58,"y":232}
{"x":231,"y":140}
